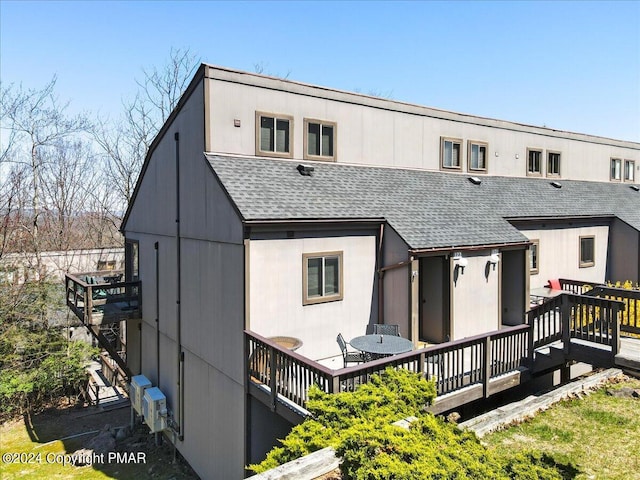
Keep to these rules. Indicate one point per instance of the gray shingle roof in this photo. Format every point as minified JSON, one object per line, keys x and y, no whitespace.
{"x":427,"y":209}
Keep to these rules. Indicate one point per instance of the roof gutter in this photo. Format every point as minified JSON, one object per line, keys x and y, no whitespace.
{"x":310,"y":221}
{"x":467,"y":248}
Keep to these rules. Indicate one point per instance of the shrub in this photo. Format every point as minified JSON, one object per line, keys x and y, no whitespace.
{"x":359,"y":425}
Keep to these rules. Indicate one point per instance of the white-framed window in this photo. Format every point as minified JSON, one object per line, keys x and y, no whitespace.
{"x":587,"y":251}
{"x":320,"y":140}
{"x":629,"y":171}
{"x":553,"y":164}
{"x":616,"y":169}
{"x":450,"y":149}
{"x":534,"y":162}
{"x":273,"y":135}
{"x":322,"y":277}
{"x":534,"y":257}
{"x":477,"y":156}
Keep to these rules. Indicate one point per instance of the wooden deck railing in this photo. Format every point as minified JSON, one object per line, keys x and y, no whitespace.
{"x":546,"y":322}
{"x":114,"y":374}
{"x":630,"y":322}
{"x":583,"y":317}
{"x":576,"y":286}
{"x":100,"y":297}
{"x":453,"y":365}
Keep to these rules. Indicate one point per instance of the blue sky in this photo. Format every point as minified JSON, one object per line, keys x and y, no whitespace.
{"x":567,"y":65}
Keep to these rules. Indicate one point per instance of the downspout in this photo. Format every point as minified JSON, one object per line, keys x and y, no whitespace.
{"x":156,"y":247}
{"x":380,"y":276}
{"x":180,"y":362}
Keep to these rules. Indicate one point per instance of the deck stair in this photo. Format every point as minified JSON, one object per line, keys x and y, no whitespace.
{"x":101,"y":392}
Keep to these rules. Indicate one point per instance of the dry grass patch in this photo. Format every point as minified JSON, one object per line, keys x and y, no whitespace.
{"x":600,"y":434}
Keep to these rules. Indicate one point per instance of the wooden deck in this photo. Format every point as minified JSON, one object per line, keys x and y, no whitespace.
{"x":570,"y":327}
{"x":97,"y":298}
{"x":101,"y":298}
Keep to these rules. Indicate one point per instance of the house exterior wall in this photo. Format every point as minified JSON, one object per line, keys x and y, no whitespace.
{"x":275,"y":292}
{"x":559,"y":252}
{"x":475,"y":296}
{"x":395,"y":282}
{"x":16,"y":267}
{"x":211,"y":306}
{"x":386,"y":133}
{"x":624,"y":256}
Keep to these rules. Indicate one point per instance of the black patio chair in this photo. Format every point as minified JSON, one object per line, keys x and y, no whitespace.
{"x":349,"y":356}
{"x":384,"y":329}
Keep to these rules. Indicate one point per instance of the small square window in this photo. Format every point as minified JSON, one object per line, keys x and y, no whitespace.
{"x":322,"y":277}
{"x":629,"y":171}
{"x":273,"y":135}
{"x":616,"y":169}
{"x":534,"y":162}
{"x":319,"y":140}
{"x":478,"y":156}
{"x":450,"y":153}
{"x":534,"y":257}
{"x":587,"y":251}
{"x":553,"y":164}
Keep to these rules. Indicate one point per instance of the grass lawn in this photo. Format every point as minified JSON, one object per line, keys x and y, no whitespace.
{"x":38,"y":439}
{"x":599,"y":434}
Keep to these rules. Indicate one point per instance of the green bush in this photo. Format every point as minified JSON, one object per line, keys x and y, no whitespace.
{"x":37,"y":363}
{"x":359,"y":425}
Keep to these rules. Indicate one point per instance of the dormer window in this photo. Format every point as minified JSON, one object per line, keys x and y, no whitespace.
{"x":319,"y":140}
{"x":616,"y":169}
{"x":273,"y":135}
{"x":629,"y":167}
{"x":553,"y":164}
{"x":478,"y":156}
{"x":450,"y":153}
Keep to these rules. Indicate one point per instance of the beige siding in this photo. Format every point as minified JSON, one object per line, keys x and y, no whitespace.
{"x":276,"y":292}
{"x":475,"y":297}
{"x":379,"y":132}
{"x":558,"y":253}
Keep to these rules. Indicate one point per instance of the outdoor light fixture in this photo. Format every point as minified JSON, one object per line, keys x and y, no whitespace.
{"x":460,"y":262}
{"x":556,"y":184}
{"x":494,"y":259}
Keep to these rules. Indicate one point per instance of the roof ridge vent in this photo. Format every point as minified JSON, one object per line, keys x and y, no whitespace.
{"x":556,"y":184}
{"x":475,"y":180}
{"x":305,"y":170}
{"x":634,"y":187}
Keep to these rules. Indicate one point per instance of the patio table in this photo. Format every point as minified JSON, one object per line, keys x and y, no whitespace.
{"x":382,"y":345}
